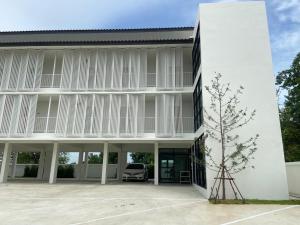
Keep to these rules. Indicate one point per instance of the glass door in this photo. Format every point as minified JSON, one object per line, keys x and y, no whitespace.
{"x":167,"y":170}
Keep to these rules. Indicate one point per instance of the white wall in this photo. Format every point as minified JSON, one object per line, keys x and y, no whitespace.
{"x":235,"y":42}
{"x":293,"y":177}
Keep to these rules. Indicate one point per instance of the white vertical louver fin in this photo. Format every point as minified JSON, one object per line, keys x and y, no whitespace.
{"x":32,"y":114}
{"x":62,"y":115}
{"x":143,"y":70}
{"x":7,"y":69}
{"x":169,"y":68}
{"x":29,"y":76}
{"x":3,"y":59}
{"x":15,"y":114}
{"x":178,"y":115}
{"x":124,"y":115}
{"x":114,"y":115}
{"x":26,"y":115}
{"x":83,"y":70}
{"x":100,"y":115}
{"x":161,"y":62}
{"x":80,"y":115}
{"x":22,"y":70}
{"x":72,"y":102}
{"x":169,"y":115}
{"x":38,"y":69}
{"x":23,"y":115}
{"x":134,"y":69}
{"x":179,"y":67}
{"x":135,"y":115}
{"x":100,"y":69}
{"x":131,"y":115}
{"x":140,"y":115}
{"x":7,"y":111}
{"x":67,"y":70}
{"x":16,"y":69}
{"x":126,"y":69}
{"x":2,"y":110}
{"x":76,"y":55}
{"x":92,"y":70}
{"x":109,"y":69}
{"x":116,"y":70}
{"x":89,"y":114}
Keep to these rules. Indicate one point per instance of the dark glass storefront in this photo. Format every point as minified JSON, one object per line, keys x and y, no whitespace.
{"x":171,"y":162}
{"x":198,"y":166}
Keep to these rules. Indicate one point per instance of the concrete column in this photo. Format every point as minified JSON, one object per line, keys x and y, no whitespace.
{"x":104,"y":164}
{"x":5,"y":163}
{"x":86,"y":163}
{"x":156,"y":164}
{"x":41,"y":165}
{"x":54,"y":164}
{"x":14,"y":165}
{"x":80,"y":160}
{"x":122,"y":161}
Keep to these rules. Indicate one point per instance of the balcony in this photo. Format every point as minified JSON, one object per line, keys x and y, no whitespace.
{"x":44,"y":125}
{"x":54,"y":80}
{"x":47,"y":125}
{"x":51,"y":80}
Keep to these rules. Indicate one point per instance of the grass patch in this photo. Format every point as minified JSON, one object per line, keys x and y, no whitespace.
{"x":257,"y":201}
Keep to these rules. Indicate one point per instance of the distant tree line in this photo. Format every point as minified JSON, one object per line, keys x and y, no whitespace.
{"x":289,"y":80}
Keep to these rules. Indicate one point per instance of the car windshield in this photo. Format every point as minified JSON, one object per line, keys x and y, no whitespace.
{"x":135,"y":166}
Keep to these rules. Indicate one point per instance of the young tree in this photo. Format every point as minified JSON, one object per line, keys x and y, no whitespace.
{"x":221,"y":124}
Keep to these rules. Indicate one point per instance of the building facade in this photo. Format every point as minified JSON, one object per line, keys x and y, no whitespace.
{"x":137,"y":90}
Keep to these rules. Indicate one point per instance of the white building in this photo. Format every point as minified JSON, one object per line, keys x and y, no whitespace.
{"x":138,"y":90}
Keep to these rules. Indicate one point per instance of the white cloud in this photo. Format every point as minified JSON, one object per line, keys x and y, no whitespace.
{"x":287,"y":10}
{"x":289,"y":40}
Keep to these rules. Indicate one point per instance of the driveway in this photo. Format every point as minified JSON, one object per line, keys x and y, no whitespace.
{"x":130,"y":204}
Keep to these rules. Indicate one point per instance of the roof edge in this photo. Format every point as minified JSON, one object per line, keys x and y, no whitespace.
{"x":87,"y":43}
{"x":150,"y":29}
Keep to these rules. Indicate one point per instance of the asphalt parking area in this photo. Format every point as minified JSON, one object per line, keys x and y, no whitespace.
{"x":130,"y":203}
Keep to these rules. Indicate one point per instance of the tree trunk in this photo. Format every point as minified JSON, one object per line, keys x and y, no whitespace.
{"x":223,"y":183}
{"x":223,"y":149}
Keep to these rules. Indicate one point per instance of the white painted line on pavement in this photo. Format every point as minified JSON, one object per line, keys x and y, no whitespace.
{"x":95,"y":198}
{"x":260,"y":214}
{"x":132,"y":213}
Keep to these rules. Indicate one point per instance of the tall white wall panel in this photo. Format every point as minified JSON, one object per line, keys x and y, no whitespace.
{"x":235,"y":42}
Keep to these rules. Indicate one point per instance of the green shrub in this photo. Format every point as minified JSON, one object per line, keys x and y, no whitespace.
{"x":150,"y":168}
{"x":31,"y":171}
{"x":65,"y":171}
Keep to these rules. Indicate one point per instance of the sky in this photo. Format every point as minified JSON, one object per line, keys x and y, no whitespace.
{"x":283,"y":17}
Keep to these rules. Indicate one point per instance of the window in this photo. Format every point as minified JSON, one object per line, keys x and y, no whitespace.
{"x":112,"y":158}
{"x":196,"y":56}
{"x":198,"y":107}
{"x":199,"y":170}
